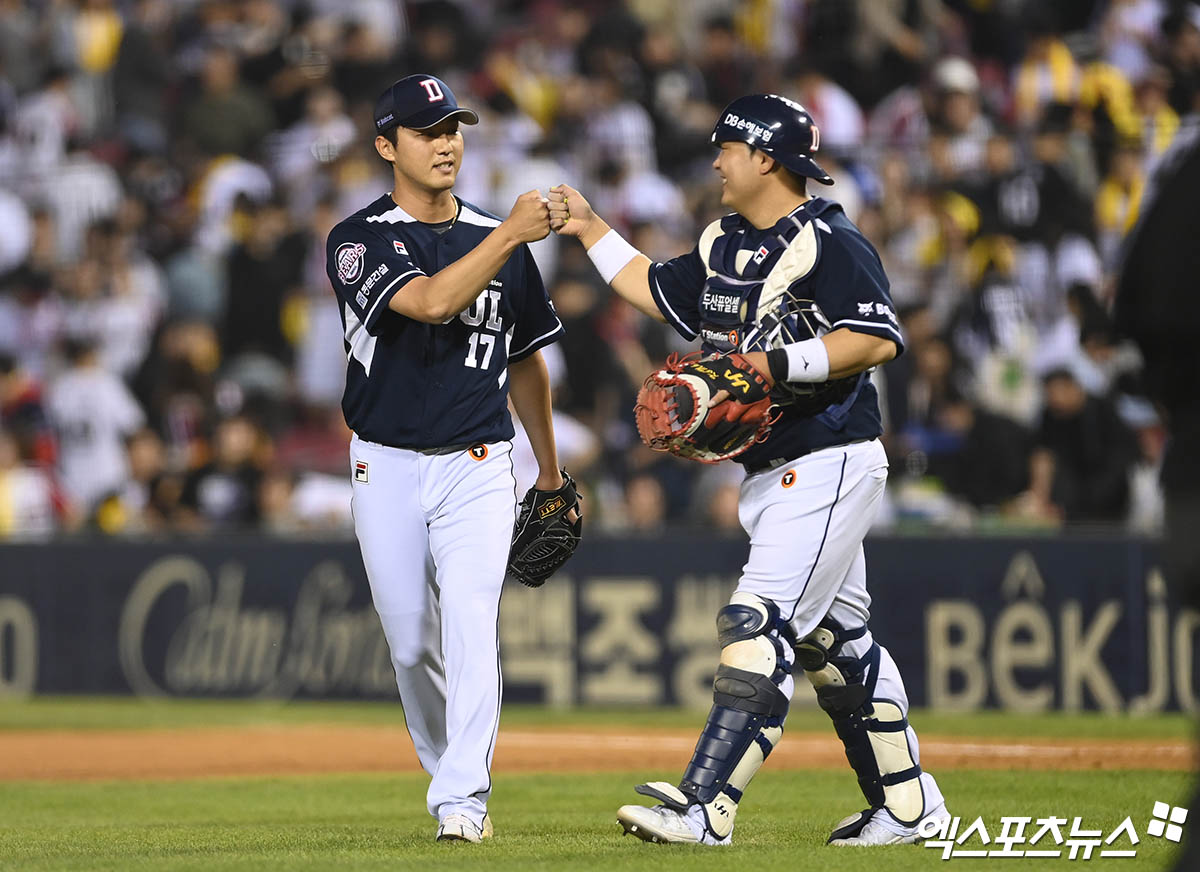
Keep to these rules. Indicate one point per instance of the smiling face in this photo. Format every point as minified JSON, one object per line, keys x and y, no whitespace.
{"x":741,"y":169}
{"x":429,"y":159}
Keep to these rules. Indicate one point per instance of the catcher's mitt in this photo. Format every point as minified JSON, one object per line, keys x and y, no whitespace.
{"x":673,"y":412}
{"x":544,"y":537}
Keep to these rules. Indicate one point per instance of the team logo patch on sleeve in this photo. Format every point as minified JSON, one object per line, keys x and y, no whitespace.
{"x":360,"y":471}
{"x":349,"y":260}
{"x":400,"y":248}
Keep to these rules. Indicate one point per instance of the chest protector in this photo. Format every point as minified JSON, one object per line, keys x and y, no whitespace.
{"x":746,"y":289}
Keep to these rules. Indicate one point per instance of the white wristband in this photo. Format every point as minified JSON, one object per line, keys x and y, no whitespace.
{"x":611,"y":254}
{"x":808,"y":361}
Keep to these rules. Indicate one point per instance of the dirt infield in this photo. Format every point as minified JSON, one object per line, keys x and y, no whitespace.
{"x":192,"y":752}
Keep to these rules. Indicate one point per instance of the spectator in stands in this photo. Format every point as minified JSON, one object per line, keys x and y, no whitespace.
{"x":226,"y":117}
{"x":18,"y":231}
{"x":223,"y":494}
{"x":143,"y":75}
{"x":30,"y":319}
{"x":23,"y":413}
{"x":1181,"y":30}
{"x":833,"y":108}
{"x":93,"y":413}
{"x":27,"y":504}
{"x":1047,"y":73}
{"x":1118,"y":198}
{"x":263,"y":272}
{"x":1080,"y":468}
{"x":1159,"y":122}
{"x":645,"y":505}
{"x":147,"y":468}
{"x":986,"y":456}
{"x":176,"y":383}
{"x":677,"y":101}
{"x":723,"y":61}
{"x":362,"y":66}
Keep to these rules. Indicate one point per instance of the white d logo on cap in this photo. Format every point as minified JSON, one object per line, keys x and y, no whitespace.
{"x":433,"y":89}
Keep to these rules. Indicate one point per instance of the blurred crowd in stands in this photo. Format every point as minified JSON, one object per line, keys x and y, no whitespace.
{"x":171,"y":356}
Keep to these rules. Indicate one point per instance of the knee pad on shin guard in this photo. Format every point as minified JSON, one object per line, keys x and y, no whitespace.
{"x":746,"y":720}
{"x":873,"y":731}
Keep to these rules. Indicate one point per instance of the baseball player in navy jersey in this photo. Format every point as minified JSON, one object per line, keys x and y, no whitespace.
{"x":444,"y":313}
{"x":812,"y":487}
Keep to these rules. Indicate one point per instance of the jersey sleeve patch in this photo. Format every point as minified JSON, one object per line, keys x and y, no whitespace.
{"x":349,"y":261}
{"x":366,"y":269}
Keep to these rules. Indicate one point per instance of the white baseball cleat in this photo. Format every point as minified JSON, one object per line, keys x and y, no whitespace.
{"x":880,"y":828}
{"x":665,"y":825}
{"x":658,"y":824}
{"x":459,"y":828}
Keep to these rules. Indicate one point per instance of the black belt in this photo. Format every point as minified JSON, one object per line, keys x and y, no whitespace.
{"x":436,"y":450}
{"x":777,"y":462}
{"x":444,"y":449}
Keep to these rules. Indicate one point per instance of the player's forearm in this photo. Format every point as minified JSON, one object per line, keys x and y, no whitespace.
{"x":846,"y":353}
{"x":851,"y":353}
{"x":632,"y":282}
{"x":529,"y":388}
{"x":439,"y":297}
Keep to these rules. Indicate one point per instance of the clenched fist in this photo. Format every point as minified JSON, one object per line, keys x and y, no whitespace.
{"x":570,"y":212}
{"x":529,"y":219}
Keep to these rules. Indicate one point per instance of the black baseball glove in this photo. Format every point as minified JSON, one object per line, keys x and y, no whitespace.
{"x":544,"y":537}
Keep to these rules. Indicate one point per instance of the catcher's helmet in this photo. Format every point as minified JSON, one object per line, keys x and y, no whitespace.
{"x":777,"y":126}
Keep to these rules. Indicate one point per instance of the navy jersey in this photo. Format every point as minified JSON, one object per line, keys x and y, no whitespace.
{"x":714,"y":301}
{"x":416,"y":385}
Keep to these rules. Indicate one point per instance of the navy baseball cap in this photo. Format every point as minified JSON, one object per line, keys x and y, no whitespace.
{"x":418,"y":102}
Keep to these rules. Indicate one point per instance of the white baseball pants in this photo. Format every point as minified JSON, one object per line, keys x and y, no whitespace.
{"x":807,"y":521}
{"x":435,"y":531}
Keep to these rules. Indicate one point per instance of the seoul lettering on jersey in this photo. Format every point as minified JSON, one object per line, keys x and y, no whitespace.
{"x":422,"y":385}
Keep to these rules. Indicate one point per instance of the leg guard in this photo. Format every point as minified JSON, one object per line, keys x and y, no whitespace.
{"x":873,"y":731}
{"x":746,"y":719}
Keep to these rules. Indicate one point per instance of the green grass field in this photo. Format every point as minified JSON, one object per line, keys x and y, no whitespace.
{"x":81,"y":713}
{"x":545,"y":822}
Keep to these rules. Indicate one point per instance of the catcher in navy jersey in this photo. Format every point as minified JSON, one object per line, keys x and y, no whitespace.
{"x":791,"y":306}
